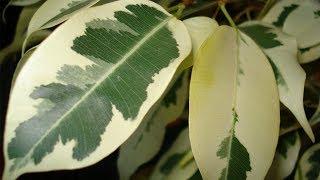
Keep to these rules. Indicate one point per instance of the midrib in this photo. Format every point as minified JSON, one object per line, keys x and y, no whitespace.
{"x":103,"y":77}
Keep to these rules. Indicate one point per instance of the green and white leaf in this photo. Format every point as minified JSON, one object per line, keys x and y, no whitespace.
{"x":54,"y":12}
{"x":309,"y":54}
{"x":304,"y":24}
{"x":309,"y":164}
{"x":234,"y":105}
{"x":199,"y":28}
{"x":281,"y":51}
{"x":23,"y":2}
{"x":315,"y":119}
{"x":87,"y":87}
{"x":169,"y":166}
{"x":146,"y":141}
{"x":299,"y":18}
{"x":20,"y":33}
{"x":286,"y":156}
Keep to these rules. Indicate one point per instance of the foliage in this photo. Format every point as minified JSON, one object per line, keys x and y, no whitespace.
{"x":181,"y":96}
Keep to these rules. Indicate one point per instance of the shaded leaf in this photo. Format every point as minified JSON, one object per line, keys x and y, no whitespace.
{"x":286,"y":156}
{"x":169,"y":166}
{"x":309,"y":164}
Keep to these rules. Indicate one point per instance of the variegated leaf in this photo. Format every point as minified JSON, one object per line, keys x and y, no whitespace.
{"x":54,"y":12}
{"x":234,"y":106}
{"x":286,"y":156}
{"x":146,"y":141}
{"x":309,"y":164}
{"x":87,"y":87}
{"x":169,"y":166}
{"x":281,"y":51}
{"x":309,"y":54}
{"x":299,"y":18}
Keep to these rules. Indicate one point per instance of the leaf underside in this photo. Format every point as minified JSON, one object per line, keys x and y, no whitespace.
{"x":127,"y":53}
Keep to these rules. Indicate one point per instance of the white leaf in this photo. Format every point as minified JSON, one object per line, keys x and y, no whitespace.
{"x":234,"y":106}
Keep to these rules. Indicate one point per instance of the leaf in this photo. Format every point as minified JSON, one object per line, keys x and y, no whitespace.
{"x":85,"y":96}
{"x":20,"y":33}
{"x":169,"y":167}
{"x":281,"y":51}
{"x":286,"y":156}
{"x":309,"y":164}
{"x":309,"y":54}
{"x":146,"y":141}
{"x":23,"y":2}
{"x":54,"y":12}
{"x":234,"y":106}
{"x":300,"y":19}
{"x":304,"y":24}
{"x":199,"y":29}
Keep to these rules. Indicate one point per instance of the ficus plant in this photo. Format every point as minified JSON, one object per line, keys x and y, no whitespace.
{"x":98,"y":76}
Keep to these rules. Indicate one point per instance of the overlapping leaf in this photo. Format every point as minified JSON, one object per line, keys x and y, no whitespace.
{"x":90,"y":84}
{"x":286,"y":156}
{"x":20,"y":33}
{"x":299,"y":18}
{"x":169,"y":167}
{"x":309,"y":164}
{"x":199,"y":28}
{"x":234,"y":106}
{"x":53,"y":12}
{"x":281,"y":51}
{"x":146,"y":141}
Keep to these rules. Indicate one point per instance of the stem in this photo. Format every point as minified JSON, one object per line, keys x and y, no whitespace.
{"x":178,"y":8}
{"x":266,"y":8}
{"x":227,"y":15}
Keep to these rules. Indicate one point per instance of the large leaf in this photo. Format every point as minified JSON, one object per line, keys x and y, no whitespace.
{"x":146,"y":141}
{"x":234,"y":106}
{"x":87,"y":87}
{"x":169,"y":166}
{"x":54,"y":12}
{"x":286,"y":156}
{"x":309,"y":164}
{"x":281,"y":51}
{"x":299,"y":18}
